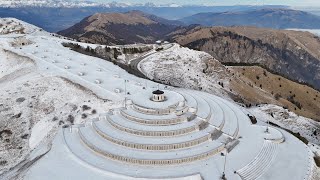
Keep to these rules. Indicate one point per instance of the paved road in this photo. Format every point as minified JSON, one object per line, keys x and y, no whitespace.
{"x":134,"y":63}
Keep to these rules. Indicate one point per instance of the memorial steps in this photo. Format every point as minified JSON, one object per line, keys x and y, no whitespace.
{"x":203,"y":108}
{"x":136,"y":136}
{"x":164,"y":120}
{"x":96,"y":143}
{"x":229,"y":125}
{"x":260,"y":163}
{"x":120,"y":138}
{"x":153,"y":143}
{"x":128,"y":126}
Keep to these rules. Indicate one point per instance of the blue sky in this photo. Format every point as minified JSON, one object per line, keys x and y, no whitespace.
{"x":226,"y":2}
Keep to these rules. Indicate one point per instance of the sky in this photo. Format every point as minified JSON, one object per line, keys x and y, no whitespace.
{"x":225,"y":2}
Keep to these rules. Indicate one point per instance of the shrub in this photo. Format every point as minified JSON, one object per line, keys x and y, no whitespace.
{"x":85,"y":107}
{"x":70,"y":119}
{"x":293,"y":101}
{"x":2,"y":163}
{"x":265,"y":73}
{"x":253,"y":119}
{"x":83,"y":116}
{"x":55,"y":118}
{"x":6,"y":132}
{"x":25,"y":136}
{"x":277,"y":96}
{"x":18,"y":115}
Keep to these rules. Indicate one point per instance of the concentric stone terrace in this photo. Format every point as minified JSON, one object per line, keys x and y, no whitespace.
{"x":200,"y":135}
{"x":166,"y":131}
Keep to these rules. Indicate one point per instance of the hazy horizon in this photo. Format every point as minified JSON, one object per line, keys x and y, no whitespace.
{"x":220,"y":3}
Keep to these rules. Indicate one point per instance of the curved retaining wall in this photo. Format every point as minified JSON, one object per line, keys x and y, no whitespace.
{"x":163,"y":122}
{"x":151,"y":161}
{"x":156,"y":147}
{"x":153,"y":111}
{"x":177,"y":132}
{"x":89,"y":165}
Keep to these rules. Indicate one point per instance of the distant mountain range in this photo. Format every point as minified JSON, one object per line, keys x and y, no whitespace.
{"x":124,"y":28}
{"x":70,"y":3}
{"x":57,"y":15}
{"x":291,"y":54}
{"x":87,"y":3}
{"x":267,"y":18}
{"x":121,"y":28}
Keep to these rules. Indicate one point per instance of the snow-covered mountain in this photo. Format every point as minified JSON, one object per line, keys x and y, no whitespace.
{"x":56,"y":3}
{"x":79,"y":3}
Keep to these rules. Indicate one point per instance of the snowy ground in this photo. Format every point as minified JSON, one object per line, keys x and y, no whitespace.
{"x":14,"y":26}
{"x":41,"y":89}
{"x":183,"y":67}
{"x":289,"y":120}
{"x":34,"y":104}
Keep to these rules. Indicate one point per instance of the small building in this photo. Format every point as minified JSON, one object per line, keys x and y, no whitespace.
{"x":158,"y":96}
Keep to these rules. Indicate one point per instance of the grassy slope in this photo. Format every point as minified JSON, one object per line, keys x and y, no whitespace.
{"x":273,"y":84}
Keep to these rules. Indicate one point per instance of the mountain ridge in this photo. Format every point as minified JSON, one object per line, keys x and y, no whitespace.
{"x":278,"y":18}
{"x":121,"y":28}
{"x":292,"y":54}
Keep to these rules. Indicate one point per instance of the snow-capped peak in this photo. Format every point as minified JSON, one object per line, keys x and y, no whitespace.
{"x":46,"y":3}
{"x":78,"y":3}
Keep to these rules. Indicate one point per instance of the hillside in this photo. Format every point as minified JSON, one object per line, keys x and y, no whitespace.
{"x":251,"y":86}
{"x":298,"y":98}
{"x":45,"y":85}
{"x":292,"y":54}
{"x":267,"y":18}
{"x":121,"y":28}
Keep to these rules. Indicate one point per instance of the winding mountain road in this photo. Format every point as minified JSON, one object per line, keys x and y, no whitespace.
{"x":135,"y":63}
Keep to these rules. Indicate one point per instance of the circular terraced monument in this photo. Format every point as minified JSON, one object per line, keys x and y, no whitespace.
{"x":178,"y":135}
